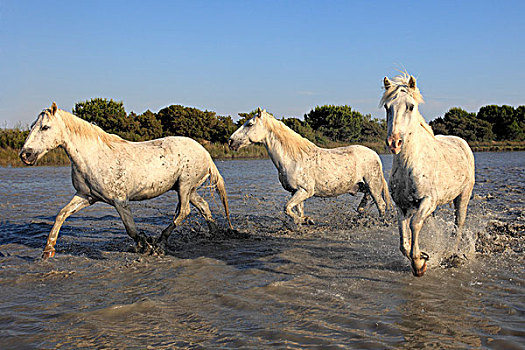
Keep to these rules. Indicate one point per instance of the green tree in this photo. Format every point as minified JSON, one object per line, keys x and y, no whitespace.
{"x":149,"y":126}
{"x":339,"y":123}
{"x":194,"y":123}
{"x":505,"y":123}
{"x":372,"y":129}
{"x":245,"y":117}
{"x":461,"y":123}
{"x":222,"y":129}
{"x":13,"y":138}
{"x":517,"y":127}
{"x":107,"y":114}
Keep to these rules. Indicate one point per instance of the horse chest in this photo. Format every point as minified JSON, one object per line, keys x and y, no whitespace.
{"x":407,"y":187}
{"x":288,"y":183}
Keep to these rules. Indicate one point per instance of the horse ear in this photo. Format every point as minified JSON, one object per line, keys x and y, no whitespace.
{"x":259,"y":110}
{"x":412,"y":82}
{"x":387,"y":83}
{"x":54,"y":108}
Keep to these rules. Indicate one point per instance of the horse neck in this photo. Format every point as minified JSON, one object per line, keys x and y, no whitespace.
{"x":79,"y":148}
{"x":418,"y":144}
{"x":280,"y":158}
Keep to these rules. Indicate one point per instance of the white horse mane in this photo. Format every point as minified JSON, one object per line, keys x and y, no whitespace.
{"x":400,"y":85}
{"x":82,"y":128}
{"x":291,"y":142}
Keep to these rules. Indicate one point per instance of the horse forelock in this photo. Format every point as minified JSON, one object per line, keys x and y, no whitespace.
{"x":291,"y":142}
{"x":399,"y":86}
{"x":82,"y":128}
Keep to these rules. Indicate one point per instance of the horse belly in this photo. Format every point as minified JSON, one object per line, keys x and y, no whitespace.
{"x":154,"y":181}
{"x":331,"y":185}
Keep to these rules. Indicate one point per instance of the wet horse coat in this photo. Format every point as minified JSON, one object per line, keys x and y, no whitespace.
{"x":110,"y":169}
{"x":306,"y":170}
{"x":427,"y":170}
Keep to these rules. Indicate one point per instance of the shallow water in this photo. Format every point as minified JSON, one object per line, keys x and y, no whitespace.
{"x":339,"y":284}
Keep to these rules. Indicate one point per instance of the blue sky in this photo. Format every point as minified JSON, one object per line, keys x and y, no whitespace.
{"x":233,"y":56}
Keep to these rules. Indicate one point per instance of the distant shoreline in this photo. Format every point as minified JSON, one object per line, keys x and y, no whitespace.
{"x":9,"y":156}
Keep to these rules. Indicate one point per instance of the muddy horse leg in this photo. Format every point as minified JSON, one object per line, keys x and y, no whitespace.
{"x":143,"y":246}
{"x":183,"y":210}
{"x":297,"y":198}
{"x":375,"y":188}
{"x":405,"y":239}
{"x":460,"y":204}
{"x":204,"y":209}
{"x":364,"y":201}
{"x":77,"y":203}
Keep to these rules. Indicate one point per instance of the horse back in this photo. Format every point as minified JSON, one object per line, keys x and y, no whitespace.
{"x":338,"y":170}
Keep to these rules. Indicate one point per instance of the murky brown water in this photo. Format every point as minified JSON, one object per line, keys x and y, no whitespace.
{"x":339,"y":284}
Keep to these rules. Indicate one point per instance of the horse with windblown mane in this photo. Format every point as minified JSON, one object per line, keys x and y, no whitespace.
{"x":307,"y":170}
{"x":109,"y":169}
{"x":427,"y":170}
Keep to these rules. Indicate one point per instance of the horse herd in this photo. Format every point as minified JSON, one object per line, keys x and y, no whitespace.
{"x":427,"y":170}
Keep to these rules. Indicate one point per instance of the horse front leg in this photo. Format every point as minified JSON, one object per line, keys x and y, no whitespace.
{"x":143,"y":246}
{"x":298,"y":198}
{"x":405,"y":241}
{"x":419,"y":259}
{"x":77,"y":203}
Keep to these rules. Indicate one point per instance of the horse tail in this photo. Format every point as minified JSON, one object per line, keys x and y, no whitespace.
{"x":218,"y":181}
{"x":386,"y":193}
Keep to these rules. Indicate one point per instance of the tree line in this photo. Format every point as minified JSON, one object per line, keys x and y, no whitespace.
{"x":323,"y":125}
{"x":491,"y":123}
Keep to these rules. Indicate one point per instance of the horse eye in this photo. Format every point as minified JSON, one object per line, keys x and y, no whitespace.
{"x":411,"y":108}
{"x":45,"y":127}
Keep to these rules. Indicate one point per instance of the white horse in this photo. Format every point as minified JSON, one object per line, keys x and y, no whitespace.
{"x":427,"y":170}
{"x":306,"y":170}
{"x":110,"y":169}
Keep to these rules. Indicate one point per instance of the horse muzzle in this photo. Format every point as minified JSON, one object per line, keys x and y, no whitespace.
{"x":394,"y":143}
{"x":234,"y":146}
{"x":28,"y":156}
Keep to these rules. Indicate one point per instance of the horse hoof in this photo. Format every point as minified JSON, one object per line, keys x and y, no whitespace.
{"x":48,"y":254}
{"x":309,"y":221}
{"x":421,"y":271}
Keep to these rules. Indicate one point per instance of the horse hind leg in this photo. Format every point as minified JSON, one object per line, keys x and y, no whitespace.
{"x":361,"y":187}
{"x":182,"y":211}
{"x":460,"y":205}
{"x":375,"y":188}
{"x":204,"y":209}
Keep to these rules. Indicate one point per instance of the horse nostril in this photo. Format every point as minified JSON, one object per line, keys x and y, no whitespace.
{"x":399,"y":142}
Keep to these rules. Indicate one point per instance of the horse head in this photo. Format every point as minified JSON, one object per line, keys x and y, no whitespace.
{"x":401,"y":100}
{"x":45,"y":135}
{"x":252,"y":131}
